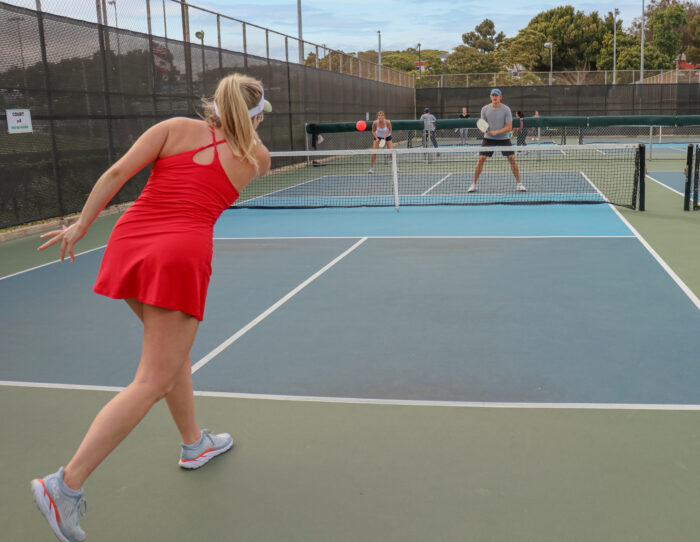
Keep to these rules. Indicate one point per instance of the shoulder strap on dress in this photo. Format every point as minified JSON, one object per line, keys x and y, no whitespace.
{"x":214,"y":142}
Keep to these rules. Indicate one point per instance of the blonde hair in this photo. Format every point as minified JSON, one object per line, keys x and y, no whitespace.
{"x":234,"y":96}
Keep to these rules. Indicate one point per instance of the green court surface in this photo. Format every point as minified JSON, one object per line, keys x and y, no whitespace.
{"x":306,"y":471}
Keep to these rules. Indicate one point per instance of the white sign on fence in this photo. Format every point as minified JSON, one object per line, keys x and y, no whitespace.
{"x":19,"y":121}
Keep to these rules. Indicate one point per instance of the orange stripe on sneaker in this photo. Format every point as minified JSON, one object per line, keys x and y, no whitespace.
{"x":53,"y":504}
{"x":205,"y":452}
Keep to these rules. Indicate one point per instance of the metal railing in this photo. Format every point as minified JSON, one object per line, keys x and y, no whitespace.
{"x":180,"y":20}
{"x":566,"y":78}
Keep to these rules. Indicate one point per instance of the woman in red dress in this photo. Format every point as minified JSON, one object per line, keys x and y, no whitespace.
{"x":158,"y":260}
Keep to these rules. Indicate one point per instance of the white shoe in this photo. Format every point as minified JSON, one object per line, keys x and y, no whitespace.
{"x":521,"y":188}
{"x":472,"y":188}
{"x":371,"y":170}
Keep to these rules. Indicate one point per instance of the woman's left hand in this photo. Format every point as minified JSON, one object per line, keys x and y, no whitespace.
{"x":67,"y":237}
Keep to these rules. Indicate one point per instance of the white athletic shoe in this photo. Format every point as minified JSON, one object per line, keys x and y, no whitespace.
{"x":61,"y":506}
{"x":371,"y":170}
{"x":207,"y":447}
{"x":472,"y":188}
{"x":521,"y":188}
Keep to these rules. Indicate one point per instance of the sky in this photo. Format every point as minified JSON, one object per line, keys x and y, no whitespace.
{"x":351,"y":25}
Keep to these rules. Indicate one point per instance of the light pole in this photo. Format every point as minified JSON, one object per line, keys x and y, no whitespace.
{"x":200,"y":36}
{"x":420,"y":67}
{"x":616,"y":12}
{"x":641,"y":64}
{"x":379,"y":37}
{"x":116,"y":23}
{"x":301,"y":39}
{"x":550,"y":46}
{"x":165,"y":23}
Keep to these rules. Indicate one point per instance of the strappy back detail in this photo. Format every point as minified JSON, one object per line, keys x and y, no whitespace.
{"x":214,"y":143}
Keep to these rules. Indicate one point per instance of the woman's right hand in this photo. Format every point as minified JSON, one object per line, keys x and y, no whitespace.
{"x":67,"y":237}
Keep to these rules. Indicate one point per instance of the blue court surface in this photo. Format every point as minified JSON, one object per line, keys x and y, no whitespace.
{"x":674,"y":180}
{"x":498,"y":304}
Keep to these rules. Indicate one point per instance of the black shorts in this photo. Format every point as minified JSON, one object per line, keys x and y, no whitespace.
{"x":496,"y":143}
{"x":387,"y":138}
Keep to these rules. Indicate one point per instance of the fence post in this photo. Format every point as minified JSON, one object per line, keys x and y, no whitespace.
{"x":245,"y":47}
{"x":49,"y":102}
{"x":218,"y":38}
{"x":688,"y":177}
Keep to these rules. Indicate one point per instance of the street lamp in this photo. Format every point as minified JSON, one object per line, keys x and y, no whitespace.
{"x":420,"y":66}
{"x":550,"y":46}
{"x":616,"y":12}
{"x":165,"y":24}
{"x":379,"y":37}
{"x":641,"y":65}
{"x":116,"y":23}
{"x":200,"y":36}
{"x":301,"y":38}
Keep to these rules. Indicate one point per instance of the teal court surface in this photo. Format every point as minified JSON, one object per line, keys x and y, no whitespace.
{"x":439,"y":373}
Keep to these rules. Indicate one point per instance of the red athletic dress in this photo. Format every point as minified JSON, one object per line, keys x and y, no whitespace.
{"x":160,"y":250}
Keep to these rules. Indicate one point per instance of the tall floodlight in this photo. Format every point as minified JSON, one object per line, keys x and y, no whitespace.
{"x":301,"y":37}
{"x":615,"y":14}
{"x":641,"y":64}
{"x":550,"y":46}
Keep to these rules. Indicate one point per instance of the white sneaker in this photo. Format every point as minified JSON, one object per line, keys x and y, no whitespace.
{"x":371,"y":170}
{"x":521,"y":188}
{"x":61,"y":506}
{"x":207,"y":447}
{"x":472,"y":188}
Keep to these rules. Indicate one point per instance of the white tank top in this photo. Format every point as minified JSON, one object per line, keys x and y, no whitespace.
{"x":382,"y":132}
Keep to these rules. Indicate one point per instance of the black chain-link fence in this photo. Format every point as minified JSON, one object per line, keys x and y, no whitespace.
{"x":575,"y":100}
{"x":92,"y":90}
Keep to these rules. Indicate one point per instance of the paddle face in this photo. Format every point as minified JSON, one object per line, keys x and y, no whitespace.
{"x":482,"y":125}
{"x":382,"y":143}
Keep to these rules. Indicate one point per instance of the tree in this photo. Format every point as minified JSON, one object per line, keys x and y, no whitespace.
{"x":400,"y":60}
{"x":666,"y":26}
{"x":576,"y":37}
{"x":526,"y":49}
{"x":692,"y":51}
{"x":471,"y":60}
{"x":629,"y":56}
{"x":484,"y":38}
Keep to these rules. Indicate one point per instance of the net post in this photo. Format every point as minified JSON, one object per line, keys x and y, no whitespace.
{"x":395,"y":179}
{"x":696,"y":177}
{"x":642,"y":176}
{"x":688,"y":177}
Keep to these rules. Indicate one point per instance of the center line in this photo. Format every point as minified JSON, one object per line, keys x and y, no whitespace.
{"x":250,"y":325}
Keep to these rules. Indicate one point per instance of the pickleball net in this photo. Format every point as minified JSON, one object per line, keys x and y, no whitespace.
{"x":443,"y":176}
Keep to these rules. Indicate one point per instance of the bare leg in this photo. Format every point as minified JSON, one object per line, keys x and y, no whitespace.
{"x":167,"y":339}
{"x":180,"y":400}
{"x":514,"y":168}
{"x":479,"y":167}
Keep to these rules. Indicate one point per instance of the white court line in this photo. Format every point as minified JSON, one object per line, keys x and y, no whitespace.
{"x":250,"y":325}
{"x":436,"y":184}
{"x":665,"y":185}
{"x":370,"y":401}
{"x":50,"y":263}
{"x":630,"y":236}
{"x":682,"y":285}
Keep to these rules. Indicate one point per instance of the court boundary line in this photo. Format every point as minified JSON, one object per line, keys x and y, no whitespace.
{"x":50,"y":263}
{"x":373,"y":401}
{"x":671,"y":273}
{"x":665,"y":185}
{"x":272,"y":308}
{"x":630,"y":236}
